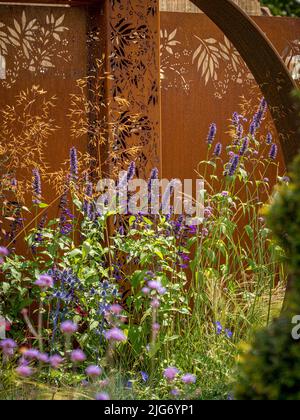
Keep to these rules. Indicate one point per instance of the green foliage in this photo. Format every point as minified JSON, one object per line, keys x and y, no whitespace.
{"x":271,"y":369}
{"x":283,"y":7}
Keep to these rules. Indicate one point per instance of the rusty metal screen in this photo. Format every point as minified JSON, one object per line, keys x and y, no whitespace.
{"x":205,"y":80}
{"x":44,"y":51}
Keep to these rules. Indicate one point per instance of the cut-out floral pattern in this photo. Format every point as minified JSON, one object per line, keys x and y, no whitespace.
{"x":217,"y":62}
{"x":32,"y":45}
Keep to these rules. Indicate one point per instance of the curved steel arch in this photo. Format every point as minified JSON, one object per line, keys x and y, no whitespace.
{"x":266,"y":65}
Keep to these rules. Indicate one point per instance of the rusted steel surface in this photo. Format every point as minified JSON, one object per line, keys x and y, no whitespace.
{"x":133,"y":62}
{"x":265,"y":64}
{"x":199,"y":88}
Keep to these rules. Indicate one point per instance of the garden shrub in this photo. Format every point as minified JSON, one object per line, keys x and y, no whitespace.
{"x":271,"y":369}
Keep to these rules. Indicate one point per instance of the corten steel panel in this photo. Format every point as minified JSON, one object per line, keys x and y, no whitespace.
{"x":265,"y":64}
{"x":193,"y":98}
{"x":133,"y":61}
{"x":51,"y":48}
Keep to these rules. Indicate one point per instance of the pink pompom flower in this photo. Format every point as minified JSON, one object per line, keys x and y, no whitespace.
{"x":115,"y":334}
{"x":24,"y":371}
{"x":93,"y":371}
{"x":4,"y":252}
{"x":188,"y":379}
{"x":8,"y":346}
{"x":77,"y":356}
{"x":44,"y":281}
{"x":170,"y":373}
{"x":103,"y":396}
{"x":69,"y":327}
{"x":55,"y":361}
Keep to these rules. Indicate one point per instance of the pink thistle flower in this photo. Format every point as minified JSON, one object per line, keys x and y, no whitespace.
{"x":154,"y":285}
{"x":43,"y":357}
{"x":31,"y":354}
{"x":93,"y":371}
{"x":116,"y":309}
{"x":103,"y":396}
{"x":170,"y":373}
{"x":4,"y":252}
{"x":189,"y":379}
{"x":115,"y":334}
{"x":69,"y":327}
{"x":24,"y":371}
{"x":162,"y":291}
{"x":1,"y":261}
{"x":44,"y":281}
{"x":8,"y":346}
{"x":55,"y":361}
{"x":77,"y":356}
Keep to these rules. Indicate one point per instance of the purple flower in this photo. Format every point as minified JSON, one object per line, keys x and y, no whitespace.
{"x":219,"y":328}
{"x":252,"y":129}
{"x":4,"y":252}
{"x":145,"y":376}
{"x":31,"y":354}
{"x":69,"y":327}
{"x":154,"y":285}
{"x":175,"y":392}
{"x":44,"y":281}
{"x":55,"y":361}
{"x":229,"y":334}
{"x":8,"y":346}
{"x":273,"y":151}
{"x":24,"y":371}
{"x":170,"y":373}
{"x":269,"y":139}
{"x":244,"y":147}
{"x":259,"y":116}
{"x":43,"y":357}
{"x":36,"y":186}
{"x":218,"y":150}
{"x":116,"y":309}
{"x":115,"y":334}
{"x":103,"y":396}
{"x":131,"y":171}
{"x":173,"y":184}
{"x":73,"y":164}
{"x":77,"y":356}
{"x":211,"y":134}
{"x":153,"y":177}
{"x":188,"y":378}
{"x":234,"y":165}
{"x":93,"y":371}
{"x":239,"y":131}
{"x":225,"y":194}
